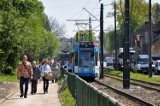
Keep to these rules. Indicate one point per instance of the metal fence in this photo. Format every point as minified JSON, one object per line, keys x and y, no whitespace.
{"x":63,"y":72}
{"x":87,"y":95}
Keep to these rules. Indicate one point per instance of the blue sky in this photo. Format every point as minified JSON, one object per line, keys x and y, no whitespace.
{"x":73,"y":9}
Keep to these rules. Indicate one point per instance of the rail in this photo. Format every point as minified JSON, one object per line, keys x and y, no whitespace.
{"x":151,"y":87}
{"x":150,"y":83}
{"x":145,"y":103}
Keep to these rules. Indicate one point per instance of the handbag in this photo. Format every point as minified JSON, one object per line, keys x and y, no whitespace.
{"x":48,"y":75}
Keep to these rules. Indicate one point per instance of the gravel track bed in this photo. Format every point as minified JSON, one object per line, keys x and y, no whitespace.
{"x":121,"y":99}
{"x":157,"y":86}
{"x":139,"y":83}
{"x":138,"y":91}
{"x":154,"y":86}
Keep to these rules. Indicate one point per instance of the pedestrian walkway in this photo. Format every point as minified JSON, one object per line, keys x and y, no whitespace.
{"x":40,"y":99}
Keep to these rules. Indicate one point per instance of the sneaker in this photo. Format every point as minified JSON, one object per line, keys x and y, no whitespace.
{"x":21,"y":95}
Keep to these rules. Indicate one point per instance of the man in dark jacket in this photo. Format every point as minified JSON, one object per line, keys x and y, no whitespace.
{"x":36,"y":75}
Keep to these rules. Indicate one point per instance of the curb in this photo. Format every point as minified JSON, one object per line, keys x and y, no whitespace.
{"x":9,"y":95}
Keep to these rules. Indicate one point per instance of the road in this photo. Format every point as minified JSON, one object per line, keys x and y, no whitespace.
{"x":40,"y":99}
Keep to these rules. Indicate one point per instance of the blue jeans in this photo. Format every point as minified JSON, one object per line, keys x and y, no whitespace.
{"x":22,"y":82}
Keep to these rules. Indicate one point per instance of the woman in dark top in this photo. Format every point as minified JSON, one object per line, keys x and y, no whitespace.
{"x":36,"y":75}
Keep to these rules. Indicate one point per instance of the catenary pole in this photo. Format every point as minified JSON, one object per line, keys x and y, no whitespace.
{"x":126,"y":71}
{"x":101,"y":41}
{"x":150,"y":41}
{"x":115,"y":33}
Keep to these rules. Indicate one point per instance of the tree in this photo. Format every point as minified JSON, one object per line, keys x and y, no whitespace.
{"x":109,"y":40}
{"x":56,"y":28}
{"x":138,"y":15}
{"x":83,"y":35}
{"x":22,"y":32}
{"x":156,"y":13}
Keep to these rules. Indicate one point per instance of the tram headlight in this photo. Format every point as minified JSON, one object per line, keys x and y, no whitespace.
{"x":79,"y":69}
{"x":93,"y":69}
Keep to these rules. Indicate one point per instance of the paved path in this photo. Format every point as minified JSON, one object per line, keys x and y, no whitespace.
{"x":40,"y":99}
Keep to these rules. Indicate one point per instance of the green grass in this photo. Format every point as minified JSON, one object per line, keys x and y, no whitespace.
{"x":139,"y":76}
{"x":8,"y":78}
{"x":67,"y":98}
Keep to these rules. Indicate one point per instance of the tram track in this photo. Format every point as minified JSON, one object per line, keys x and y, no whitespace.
{"x":144,"y":84}
{"x":140,"y":101}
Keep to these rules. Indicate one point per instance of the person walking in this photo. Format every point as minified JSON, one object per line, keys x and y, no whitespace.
{"x":36,"y":75}
{"x":56,"y":71}
{"x":24,"y":73}
{"x":69,"y":66}
{"x":45,"y":70}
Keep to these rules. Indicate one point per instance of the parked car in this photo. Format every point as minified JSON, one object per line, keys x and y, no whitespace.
{"x":109,"y":64}
{"x":157,"y":67}
{"x":141,"y":63}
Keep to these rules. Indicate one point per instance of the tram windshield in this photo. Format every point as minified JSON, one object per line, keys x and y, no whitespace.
{"x":86,"y":59}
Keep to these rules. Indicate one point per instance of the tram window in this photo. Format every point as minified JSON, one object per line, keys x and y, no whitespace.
{"x":76,"y":59}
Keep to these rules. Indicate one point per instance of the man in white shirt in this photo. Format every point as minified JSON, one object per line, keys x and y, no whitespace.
{"x":44,"y":70}
{"x":69,"y":66}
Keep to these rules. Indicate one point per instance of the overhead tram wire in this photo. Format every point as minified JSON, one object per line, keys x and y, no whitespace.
{"x":91,"y":14}
{"x":95,"y":6}
{"x":85,"y":6}
{"x":80,"y":24}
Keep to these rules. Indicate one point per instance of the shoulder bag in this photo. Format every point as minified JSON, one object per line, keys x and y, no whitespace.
{"x":27,"y":70}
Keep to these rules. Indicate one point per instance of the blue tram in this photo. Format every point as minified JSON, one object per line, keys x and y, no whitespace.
{"x":86,"y":59}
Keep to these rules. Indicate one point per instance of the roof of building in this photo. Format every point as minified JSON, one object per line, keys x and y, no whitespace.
{"x":142,"y":29}
{"x":156,"y":28}
{"x":145,"y":27}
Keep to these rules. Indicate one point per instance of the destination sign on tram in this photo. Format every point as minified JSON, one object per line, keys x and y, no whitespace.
{"x":86,"y":49}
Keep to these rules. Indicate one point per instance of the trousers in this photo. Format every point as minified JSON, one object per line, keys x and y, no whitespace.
{"x":24,"y":81}
{"x":34,"y":86}
{"x":45,"y":84}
